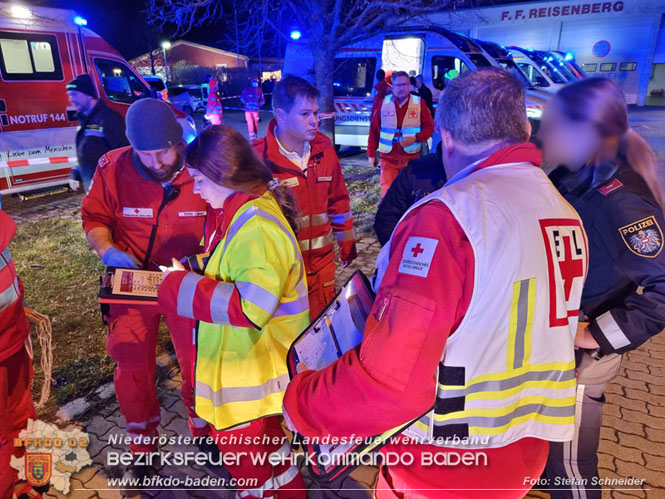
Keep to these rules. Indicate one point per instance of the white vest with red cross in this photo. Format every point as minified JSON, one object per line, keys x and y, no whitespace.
{"x":390,"y":129}
{"x":508,"y":371}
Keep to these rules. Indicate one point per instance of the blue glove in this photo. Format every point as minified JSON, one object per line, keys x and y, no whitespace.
{"x":113,"y":257}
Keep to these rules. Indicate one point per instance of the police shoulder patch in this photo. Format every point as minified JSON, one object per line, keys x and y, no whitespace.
{"x":644,"y":237}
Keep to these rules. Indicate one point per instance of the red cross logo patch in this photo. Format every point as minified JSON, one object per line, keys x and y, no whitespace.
{"x":413,"y":113}
{"x":567,"y":260}
{"x":417,"y":256}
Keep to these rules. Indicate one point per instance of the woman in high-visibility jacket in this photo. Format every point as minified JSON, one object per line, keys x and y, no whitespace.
{"x":250,"y":303}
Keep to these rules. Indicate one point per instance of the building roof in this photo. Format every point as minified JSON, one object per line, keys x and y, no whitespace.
{"x":198,"y":46}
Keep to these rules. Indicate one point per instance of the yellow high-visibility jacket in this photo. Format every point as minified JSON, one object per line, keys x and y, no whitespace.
{"x":251,"y":303}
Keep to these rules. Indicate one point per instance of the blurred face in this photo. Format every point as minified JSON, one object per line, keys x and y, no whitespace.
{"x":302,"y":122}
{"x":162,"y":164}
{"x":214,"y":194}
{"x":564,"y":142}
{"x":80,"y":101}
{"x":255,"y":83}
{"x":401,"y":88}
{"x":419,"y":81}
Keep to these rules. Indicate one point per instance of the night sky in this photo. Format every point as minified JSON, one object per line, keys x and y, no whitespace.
{"x":122,"y":24}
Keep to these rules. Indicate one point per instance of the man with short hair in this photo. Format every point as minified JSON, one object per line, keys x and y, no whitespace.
{"x":141,"y":212}
{"x":470,"y":338}
{"x":100,"y":129}
{"x":398,"y":130}
{"x":425,"y":93}
{"x":304,"y":159}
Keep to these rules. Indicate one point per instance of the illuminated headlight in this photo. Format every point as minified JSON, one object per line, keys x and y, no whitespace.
{"x":534,"y":113}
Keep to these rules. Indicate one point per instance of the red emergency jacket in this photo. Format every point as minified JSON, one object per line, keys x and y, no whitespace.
{"x":121,"y":199}
{"x":321,"y":198}
{"x":14,"y":327}
{"x":405,"y":336}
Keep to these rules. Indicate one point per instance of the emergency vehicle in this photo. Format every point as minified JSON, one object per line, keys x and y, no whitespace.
{"x":541,"y":72}
{"x":41,"y":49}
{"x":434,"y":52}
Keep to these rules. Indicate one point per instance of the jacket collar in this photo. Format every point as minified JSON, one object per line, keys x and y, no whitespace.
{"x":318,"y":145}
{"x":525,"y":152}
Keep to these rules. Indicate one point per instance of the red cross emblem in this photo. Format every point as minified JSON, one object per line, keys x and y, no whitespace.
{"x":570,"y":268}
{"x":413,"y":113}
{"x":417,"y":250}
{"x":137,"y":211}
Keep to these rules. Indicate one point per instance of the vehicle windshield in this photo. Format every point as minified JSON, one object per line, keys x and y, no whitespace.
{"x":354,"y":76}
{"x":547,"y":67}
{"x":510,"y":65}
{"x":479,"y":60}
{"x":156,"y":83}
{"x":119,"y":82}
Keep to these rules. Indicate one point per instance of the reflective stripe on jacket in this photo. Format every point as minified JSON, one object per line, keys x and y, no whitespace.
{"x":251,"y":304}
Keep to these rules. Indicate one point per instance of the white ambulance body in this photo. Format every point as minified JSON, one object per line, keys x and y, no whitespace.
{"x":41,"y":49}
{"x":431,"y":51}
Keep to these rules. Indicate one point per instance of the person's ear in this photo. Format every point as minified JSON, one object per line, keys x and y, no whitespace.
{"x":447,"y":141}
{"x":280,"y":116}
{"x":529,"y":131}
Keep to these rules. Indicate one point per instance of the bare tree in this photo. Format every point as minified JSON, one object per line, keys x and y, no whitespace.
{"x":329,"y":24}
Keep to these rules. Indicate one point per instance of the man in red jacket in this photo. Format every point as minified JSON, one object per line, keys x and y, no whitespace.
{"x":471,"y":334}
{"x":400,"y":124}
{"x":305,"y":160}
{"x":16,"y":405}
{"x":140,"y":213}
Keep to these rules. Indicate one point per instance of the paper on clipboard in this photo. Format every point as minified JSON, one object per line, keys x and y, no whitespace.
{"x":337,"y":330}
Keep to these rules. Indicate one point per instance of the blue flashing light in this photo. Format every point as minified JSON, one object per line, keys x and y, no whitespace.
{"x":337,"y":84}
{"x":295,"y":34}
{"x":569,"y":56}
{"x":80,"y":21}
{"x":190,"y":137}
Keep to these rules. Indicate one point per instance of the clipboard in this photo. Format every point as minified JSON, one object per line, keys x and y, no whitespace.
{"x":336,"y":330}
{"x":129,"y":286}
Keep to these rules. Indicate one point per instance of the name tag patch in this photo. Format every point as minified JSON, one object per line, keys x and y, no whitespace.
{"x":324,"y":179}
{"x":137,"y":212}
{"x":417,"y":256}
{"x":191,"y":213}
{"x":290,"y":182}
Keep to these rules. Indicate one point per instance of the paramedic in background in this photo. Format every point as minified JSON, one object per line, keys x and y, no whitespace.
{"x":610,"y":175}
{"x":100,"y":129}
{"x":214,"y":110}
{"x":398,"y":130}
{"x":304,"y":159}
{"x":252,"y":98}
{"x":485,"y":354}
{"x":379,"y":90}
{"x":16,"y":373}
{"x":141,"y":212}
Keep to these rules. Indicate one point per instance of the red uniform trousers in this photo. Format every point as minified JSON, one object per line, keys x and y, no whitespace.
{"x":16,"y":408}
{"x":131,"y":342}
{"x":283,"y":481}
{"x":507,"y":474}
{"x":320,"y":289}
{"x":390,"y":168}
{"x":252,"y":118}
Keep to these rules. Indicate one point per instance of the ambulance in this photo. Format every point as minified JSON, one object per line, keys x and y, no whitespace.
{"x":539,"y":68}
{"x":41,"y":49}
{"x":430,"y":50}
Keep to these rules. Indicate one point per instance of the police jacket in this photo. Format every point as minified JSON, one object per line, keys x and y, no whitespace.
{"x":421,"y":177}
{"x":624,"y":294}
{"x":99,"y":132}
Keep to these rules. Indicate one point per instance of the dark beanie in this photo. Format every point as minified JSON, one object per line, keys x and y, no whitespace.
{"x":152,"y":125}
{"x":83,"y":83}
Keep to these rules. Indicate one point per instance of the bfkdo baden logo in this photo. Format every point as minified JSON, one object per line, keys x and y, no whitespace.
{"x":38,"y":468}
{"x":51,"y":455}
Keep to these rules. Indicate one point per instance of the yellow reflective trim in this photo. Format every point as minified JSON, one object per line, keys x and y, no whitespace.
{"x":554,"y":366}
{"x":529,"y":321}
{"x":512,"y":326}
{"x":504,"y":411}
{"x":541,"y":418}
{"x":502,"y":394}
{"x":422,"y":426}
